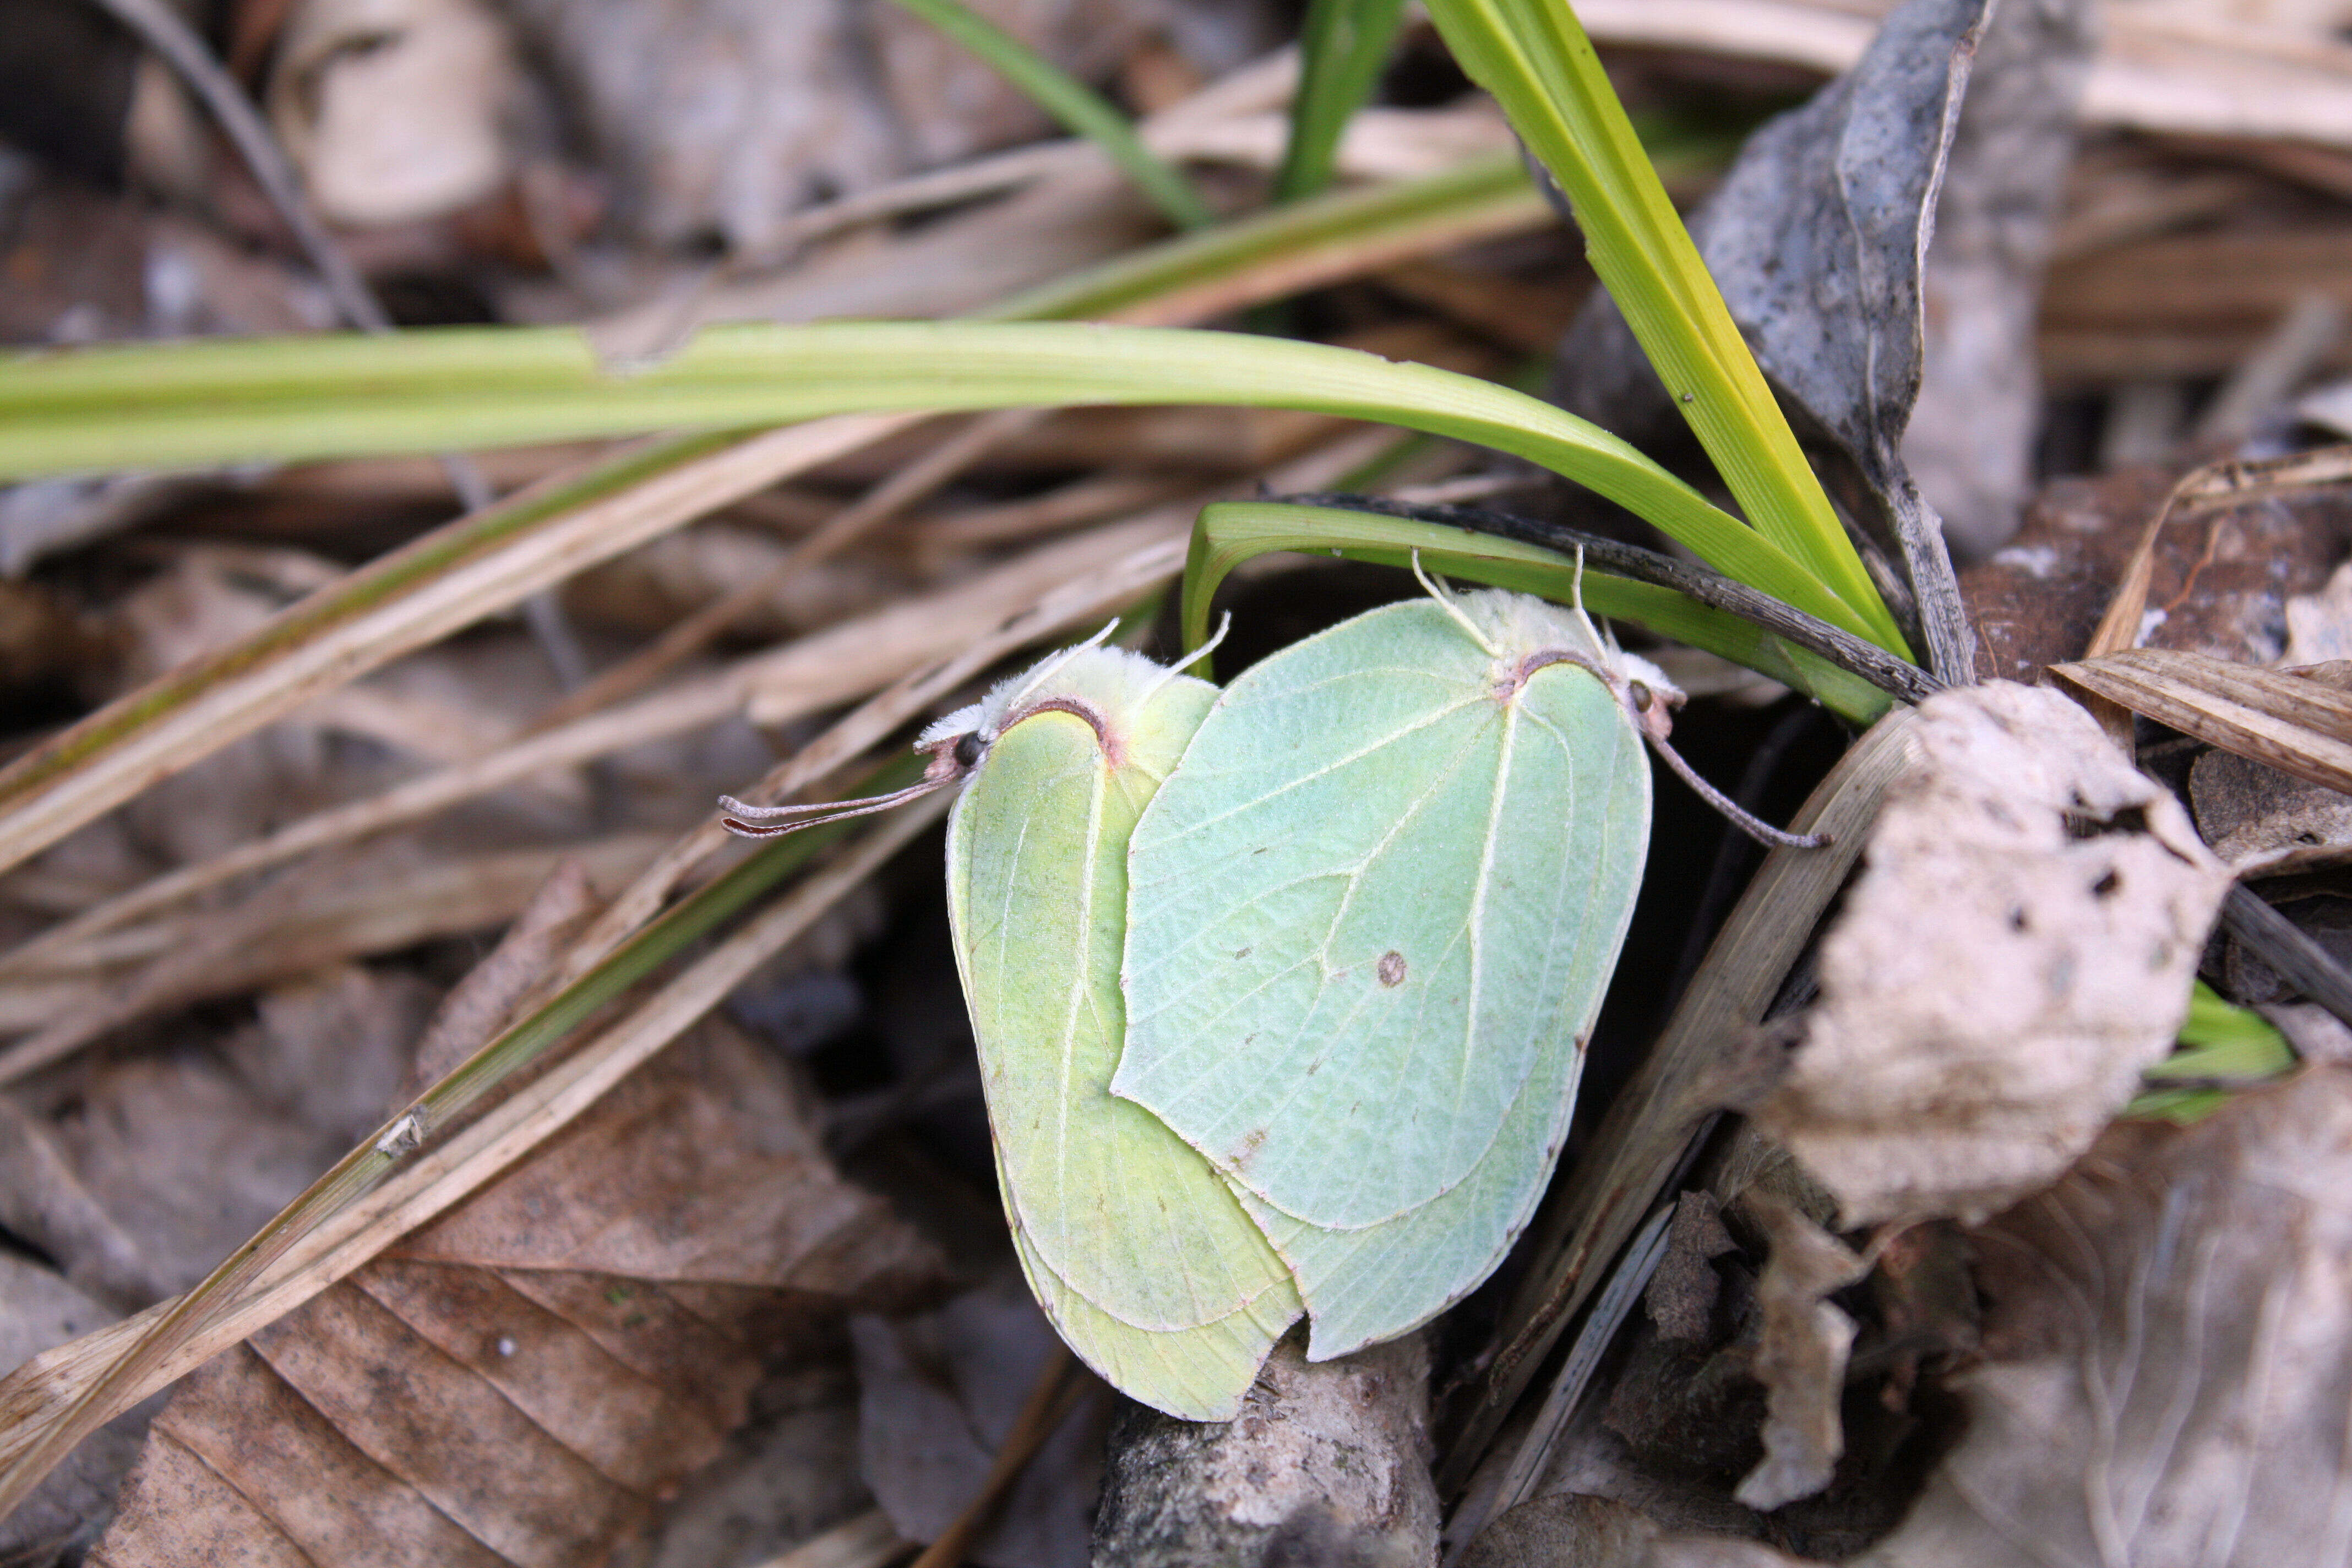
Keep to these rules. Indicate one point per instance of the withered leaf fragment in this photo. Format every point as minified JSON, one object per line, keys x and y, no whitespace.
{"x":2169,"y":1354}
{"x":2018,"y":947}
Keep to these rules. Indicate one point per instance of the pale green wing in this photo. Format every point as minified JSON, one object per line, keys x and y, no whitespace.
{"x":1127,"y":1231}
{"x":1365,"y":1286}
{"x":1362,"y":1286}
{"x":1372,"y":898}
{"x":1199,"y":1373}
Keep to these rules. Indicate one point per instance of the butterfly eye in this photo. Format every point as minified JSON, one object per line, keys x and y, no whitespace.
{"x":1641,"y":696}
{"x":968,"y":749}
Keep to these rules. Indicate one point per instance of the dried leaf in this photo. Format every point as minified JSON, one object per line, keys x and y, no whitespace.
{"x":1975,"y":424}
{"x":2319,"y":625}
{"x":1680,"y":1298}
{"x":394,"y":109}
{"x":2258,"y":819}
{"x":522,"y":1380}
{"x":939,"y":1396}
{"x":1801,"y":1356}
{"x":2294,"y":724}
{"x":2214,"y":587}
{"x":38,"y":1309}
{"x":2166,"y":1350}
{"x":1564,"y":1531}
{"x":1996,"y":981}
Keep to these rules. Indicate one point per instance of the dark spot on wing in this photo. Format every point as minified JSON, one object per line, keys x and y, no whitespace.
{"x":1240,"y":952}
{"x":1246,"y":1150}
{"x":1391,"y":969}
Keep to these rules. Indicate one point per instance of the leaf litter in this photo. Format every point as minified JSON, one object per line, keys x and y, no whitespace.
{"x":216,"y":1043}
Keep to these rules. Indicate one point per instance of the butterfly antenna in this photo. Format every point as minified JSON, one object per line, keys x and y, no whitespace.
{"x":1576,"y":603}
{"x":1437,"y":591}
{"x":1216,"y":639}
{"x":1763,"y":832}
{"x":748,"y":821}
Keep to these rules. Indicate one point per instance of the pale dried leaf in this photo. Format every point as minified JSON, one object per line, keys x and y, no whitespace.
{"x":2292,"y":723}
{"x":522,"y":1380}
{"x":1974,"y":426}
{"x":394,"y":109}
{"x":939,"y":1395}
{"x":2319,"y":625}
{"x":1997,"y":982}
{"x":2256,"y":817}
{"x":2168,"y":1370}
{"x":1800,"y":1358}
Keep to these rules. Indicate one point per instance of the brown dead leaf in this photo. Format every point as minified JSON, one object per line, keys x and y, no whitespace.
{"x":2215,"y":587}
{"x":2297,"y":725}
{"x":1680,"y":1298}
{"x":1996,"y":980}
{"x":2168,"y":1354}
{"x":522,"y":1381}
{"x":1800,"y":1358}
{"x":2258,"y":819}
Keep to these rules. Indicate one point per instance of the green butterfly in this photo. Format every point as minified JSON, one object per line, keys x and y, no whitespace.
{"x":1281,"y":993}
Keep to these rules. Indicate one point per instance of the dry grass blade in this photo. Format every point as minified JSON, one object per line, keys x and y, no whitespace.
{"x":2287,"y":721}
{"x":54,"y":1401}
{"x":1117,"y":584}
{"x":449,"y":579}
{"x":1680,"y":1083}
{"x":839,"y":663}
{"x":910,"y":485}
{"x":491,"y":559}
{"x":328,"y":914}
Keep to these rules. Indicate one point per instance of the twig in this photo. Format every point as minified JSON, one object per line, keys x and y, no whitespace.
{"x":1061,"y":1383}
{"x":1902,"y":680}
{"x":2281,"y":943}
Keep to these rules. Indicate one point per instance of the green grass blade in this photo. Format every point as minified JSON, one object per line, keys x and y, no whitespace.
{"x":1534,"y":57}
{"x":1231,"y":533}
{"x":1080,"y":110}
{"x":1342,"y":47}
{"x":335,"y":395}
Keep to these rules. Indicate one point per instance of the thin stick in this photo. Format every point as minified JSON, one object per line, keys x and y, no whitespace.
{"x":2281,"y":943}
{"x":1061,"y":1383}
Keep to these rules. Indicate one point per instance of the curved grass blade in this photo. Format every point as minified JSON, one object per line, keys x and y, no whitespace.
{"x":1534,"y":57}
{"x":1231,"y":533}
{"x":336,"y":394}
{"x":489,"y":559}
{"x":1081,"y":109}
